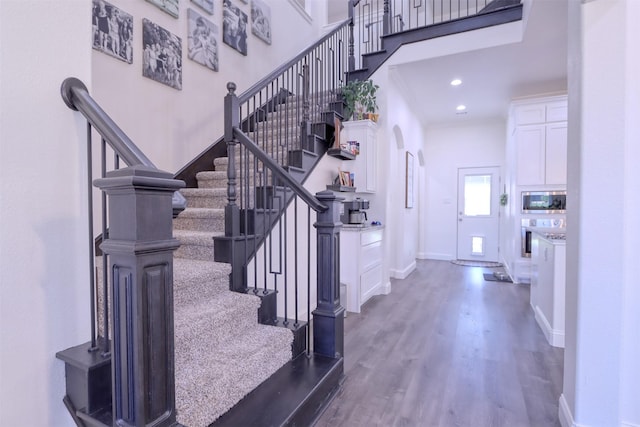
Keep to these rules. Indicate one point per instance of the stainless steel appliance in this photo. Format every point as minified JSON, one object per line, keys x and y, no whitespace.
{"x":552,"y":228}
{"x":354,"y":211}
{"x":544,"y":202}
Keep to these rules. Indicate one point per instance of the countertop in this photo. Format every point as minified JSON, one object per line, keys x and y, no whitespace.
{"x":360,"y":227}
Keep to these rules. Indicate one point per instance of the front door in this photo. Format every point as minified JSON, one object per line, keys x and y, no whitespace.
{"x":478,"y":214}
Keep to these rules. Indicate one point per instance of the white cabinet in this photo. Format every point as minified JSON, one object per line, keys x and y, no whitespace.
{"x":548,"y":260}
{"x":364,"y":167}
{"x":540,"y":139}
{"x":541,"y":154}
{"x":361,"y":264}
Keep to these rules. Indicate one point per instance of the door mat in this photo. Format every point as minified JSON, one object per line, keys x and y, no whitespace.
{"x":491,"y":277}
{"x":476,"y":263}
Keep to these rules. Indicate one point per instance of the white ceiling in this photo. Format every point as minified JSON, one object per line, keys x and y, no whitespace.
{"x":493,"y":76}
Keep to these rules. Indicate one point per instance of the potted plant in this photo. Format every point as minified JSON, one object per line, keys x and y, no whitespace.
{"x":360,"y":100}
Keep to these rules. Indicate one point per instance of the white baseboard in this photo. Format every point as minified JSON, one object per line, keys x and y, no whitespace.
{"x":626,"y":424}
{"x":564,"y":413}
{"x":435,"y":256}
{"x":555,"y":337}
{"x":386,"y":288}
{"x":402,"y":274}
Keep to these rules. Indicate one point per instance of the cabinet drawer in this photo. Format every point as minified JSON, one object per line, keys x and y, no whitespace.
{"x":371,"y":255}
{"x":368,"y":237}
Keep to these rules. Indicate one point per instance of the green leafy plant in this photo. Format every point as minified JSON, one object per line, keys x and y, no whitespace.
{"x":360,"y":98}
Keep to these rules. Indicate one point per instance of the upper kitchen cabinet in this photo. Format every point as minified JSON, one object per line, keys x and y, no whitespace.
{"x":540,"y":138}
{"x":364,"y":167}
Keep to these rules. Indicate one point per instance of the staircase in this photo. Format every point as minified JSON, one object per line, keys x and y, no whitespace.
{"x":234,"y":352}
{"x":235,"y":357}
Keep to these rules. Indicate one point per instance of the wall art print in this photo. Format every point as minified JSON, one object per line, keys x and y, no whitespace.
{"x":202,"y":40}
{"x":162,"y":55}
{"x":172,"y":7}
{"x":261,"y":20}
{"x":234,"y":27}
{"x":112,"y":31}
{"x":206,"y":5}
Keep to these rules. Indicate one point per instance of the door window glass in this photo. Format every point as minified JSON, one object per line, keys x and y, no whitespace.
{"x":477,"y":195}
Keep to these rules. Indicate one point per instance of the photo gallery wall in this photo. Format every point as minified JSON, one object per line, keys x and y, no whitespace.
{"x":162,"y":50}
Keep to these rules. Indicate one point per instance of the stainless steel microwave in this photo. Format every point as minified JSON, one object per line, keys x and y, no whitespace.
{"x":544,"y":202}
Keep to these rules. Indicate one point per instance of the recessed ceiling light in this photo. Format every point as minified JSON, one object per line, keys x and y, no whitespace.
{"x":456,"y":82}
{"x":461,"y":107}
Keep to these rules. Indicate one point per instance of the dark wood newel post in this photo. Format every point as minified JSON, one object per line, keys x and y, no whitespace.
{"x":140,"y":248}
{"x":328,"y":317}
{"x":386,"y":19}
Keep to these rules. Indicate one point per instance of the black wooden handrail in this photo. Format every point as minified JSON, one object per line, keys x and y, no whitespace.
{"x":246,"y":95}
{"x":76,"y":96}
{"x":278,"y":171}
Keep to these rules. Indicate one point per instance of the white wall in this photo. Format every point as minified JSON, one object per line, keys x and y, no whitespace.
{"x":400,"y":132}
{"x":43,"y":262}
{"x":602,"y":291}
{"x":172,"y":126}
{"x":448,"y":148}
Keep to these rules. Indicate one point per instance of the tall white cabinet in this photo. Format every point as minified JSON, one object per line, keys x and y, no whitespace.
{"x":536,"y":161}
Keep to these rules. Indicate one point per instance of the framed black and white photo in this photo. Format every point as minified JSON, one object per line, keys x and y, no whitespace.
{"x":112,"y":31}
{"x":409,"y":182}
{"x":161,"y":55}
{"x":261,"y":20}
{"x":172,"y":7}
{"x":234,"y":27}
{"x":202,"y":41}
{"x":206,"y":5}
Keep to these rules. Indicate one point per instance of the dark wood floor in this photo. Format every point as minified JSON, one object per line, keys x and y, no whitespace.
{"x":447,"y":348}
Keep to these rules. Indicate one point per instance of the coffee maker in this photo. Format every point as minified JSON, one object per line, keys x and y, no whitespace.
{"x":354,"y":211}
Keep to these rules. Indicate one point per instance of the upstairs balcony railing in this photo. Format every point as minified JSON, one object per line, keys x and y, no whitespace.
{"x":376,"y":18}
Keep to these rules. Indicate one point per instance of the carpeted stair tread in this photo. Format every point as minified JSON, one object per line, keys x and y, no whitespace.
{"x":205,"y":197}
{"x":221,"y":353}
{"x":200,"y":219}
{"x":211,"y":381}
{"x":196,"y":245}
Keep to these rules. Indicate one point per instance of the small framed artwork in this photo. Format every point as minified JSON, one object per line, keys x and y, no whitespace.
{"x":234,"y":27}
{"x":261,"y":20}
{"x":202,"y":41}
{"x":112,"y":31}
{"x":206,"y":5}
{"x":409,"y":182}
{"x":172,"y":7}
{"x":161,"y":55}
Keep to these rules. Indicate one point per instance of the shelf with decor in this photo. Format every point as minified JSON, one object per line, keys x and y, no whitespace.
{"x":341,"y":154}
{"x":341,"y":188}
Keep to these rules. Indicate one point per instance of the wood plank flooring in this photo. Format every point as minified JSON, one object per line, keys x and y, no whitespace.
{"x":447,"y":348}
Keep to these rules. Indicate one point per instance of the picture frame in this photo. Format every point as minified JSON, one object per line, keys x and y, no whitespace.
{"x":206,"y":5}
{"x":202,"y":41}
{"x":345,"y":179}
{"x":112,"y":31}
{"x":234,"y":27}
{"x":261,"y":20}
{"x":409,"y":181}
{"x":161,"y":55}
{"x":172,"y":7}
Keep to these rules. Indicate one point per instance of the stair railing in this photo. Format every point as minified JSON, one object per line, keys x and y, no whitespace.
{"x":138,"y":205}
{"x":376,"y":18}
{"x":271,"y":131}
{"x":256,"y":229}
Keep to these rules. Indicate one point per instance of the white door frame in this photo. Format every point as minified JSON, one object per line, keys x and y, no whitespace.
{"x":485,"y":229}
